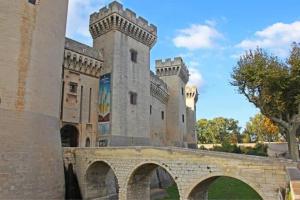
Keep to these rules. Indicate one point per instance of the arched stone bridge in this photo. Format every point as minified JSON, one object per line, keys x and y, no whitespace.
{"x":192,"y":170}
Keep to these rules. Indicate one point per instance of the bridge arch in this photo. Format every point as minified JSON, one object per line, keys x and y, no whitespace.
{"x":138,"y":180}
{"x":199,"y":188}
{"x":101,"y":181}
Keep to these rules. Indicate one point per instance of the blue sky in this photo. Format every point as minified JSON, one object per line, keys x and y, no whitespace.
{"x":210,"y":35}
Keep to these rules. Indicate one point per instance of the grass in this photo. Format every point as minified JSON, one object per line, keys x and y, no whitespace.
{"x":172,"y":193}
{"x":224,"y":188}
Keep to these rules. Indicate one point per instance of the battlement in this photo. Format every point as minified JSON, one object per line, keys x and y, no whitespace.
{"x":158,"y":88}
{"x":191,"y":92}
{"x":171,"y":67}
{"x":82,"y":58}
{"x":114,"y":17}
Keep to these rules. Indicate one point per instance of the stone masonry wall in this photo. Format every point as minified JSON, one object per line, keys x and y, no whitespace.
{"x":32,"y":42}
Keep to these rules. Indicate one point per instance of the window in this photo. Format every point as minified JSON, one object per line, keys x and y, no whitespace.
{"x":133,"y":55}
{"x":32,"y":1}
{"x":87,"y":142}
{"x":133,"y":98}
{"x":162,"y":115}
{"x":73,"y":87}
{"x":150,"y":109}
{"x":103,"y":143}
{"x":182,"y":91}
{"x":182,"y":118}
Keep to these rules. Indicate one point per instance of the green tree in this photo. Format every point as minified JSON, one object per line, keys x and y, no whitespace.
{"x":218,"y":130}
{"x":273,"y":87}
{"x":261,"y":128}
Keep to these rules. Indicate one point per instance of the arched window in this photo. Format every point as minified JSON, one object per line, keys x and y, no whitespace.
{"x":87,"y":142}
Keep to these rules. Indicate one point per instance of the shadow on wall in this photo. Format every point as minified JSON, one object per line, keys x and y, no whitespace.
{"x":71,"y":184}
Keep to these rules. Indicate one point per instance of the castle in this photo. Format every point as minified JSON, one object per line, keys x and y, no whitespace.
{"x":103,"y":95}
{"x":111,"y":98}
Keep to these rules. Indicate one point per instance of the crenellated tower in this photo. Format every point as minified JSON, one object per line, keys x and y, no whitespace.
{"x":175,"y":74}
{"x":124,"y":94}
{"x":191,"y":94}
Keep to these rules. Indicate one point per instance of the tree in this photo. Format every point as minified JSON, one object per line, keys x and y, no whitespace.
{"x":261,"y":128}
{"x":273,"y":87}
{"x":218,"y":130}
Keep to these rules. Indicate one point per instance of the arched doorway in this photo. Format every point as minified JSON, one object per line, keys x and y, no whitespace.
{"x":139,"y":185}
{"x":69,"y":136}
{"x":223,"y":187}
{"x":101,"y":182}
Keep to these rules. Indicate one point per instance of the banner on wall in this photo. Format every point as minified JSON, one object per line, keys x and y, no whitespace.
{"x":104,"y":104}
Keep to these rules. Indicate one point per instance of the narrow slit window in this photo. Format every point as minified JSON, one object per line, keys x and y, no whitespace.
{"x":182,"y":118}
{"x":133,"y":55}
{"x":133,"y":98}
{"x":162,"y":115}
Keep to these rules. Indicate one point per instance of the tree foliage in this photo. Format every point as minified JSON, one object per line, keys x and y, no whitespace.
{"x":261,"y":129}
{"x":272,"y":86}
{"x":218,"y":130}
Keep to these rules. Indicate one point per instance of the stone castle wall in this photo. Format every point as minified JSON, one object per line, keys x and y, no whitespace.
{"x":32,"y":39}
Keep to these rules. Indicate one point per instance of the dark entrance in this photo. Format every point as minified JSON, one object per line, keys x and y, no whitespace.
{"x":69,"y":136}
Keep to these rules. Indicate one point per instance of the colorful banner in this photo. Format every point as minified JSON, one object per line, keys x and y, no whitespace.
{"x":104,"y":104}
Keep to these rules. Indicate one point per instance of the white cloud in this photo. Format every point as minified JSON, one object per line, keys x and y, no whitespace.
{"x":79,"y":14}
{"x":195,"y":77}
{"x":197,"y":36}
{"x":277,"y":38}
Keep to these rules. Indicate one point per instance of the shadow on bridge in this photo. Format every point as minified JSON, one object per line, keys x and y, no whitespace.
{"x":101,"y":182}
{"x":138,"y":185}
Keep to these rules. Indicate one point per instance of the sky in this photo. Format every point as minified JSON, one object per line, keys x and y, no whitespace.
{"x":209,"y":35}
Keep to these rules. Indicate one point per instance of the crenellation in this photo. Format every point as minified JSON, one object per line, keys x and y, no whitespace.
{"x":114,"y":17}
{"x":171,"y":67}
{"x":115,"y":6}
{"x":130,"y":14}
{"x":191,"y":92}
{"x":82,"y":58}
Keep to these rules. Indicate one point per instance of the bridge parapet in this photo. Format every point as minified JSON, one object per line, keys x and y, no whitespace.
{"x":188,"y":168}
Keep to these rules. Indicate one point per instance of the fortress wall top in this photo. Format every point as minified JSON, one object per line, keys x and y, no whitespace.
{"x":116,"y":7}
{"x":191,"y":92}
{"x":156,"y":80}
{"x":170,"y":67}
{"x":158,"y":88}
{"x":82,"y":58}
{"x":83,"y":49}
{"x":114,"y":17}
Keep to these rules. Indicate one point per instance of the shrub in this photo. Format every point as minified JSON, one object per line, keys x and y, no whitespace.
{"x":258,"y":150}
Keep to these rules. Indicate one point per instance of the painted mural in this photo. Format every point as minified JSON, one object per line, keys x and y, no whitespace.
{"x":104,"y":104}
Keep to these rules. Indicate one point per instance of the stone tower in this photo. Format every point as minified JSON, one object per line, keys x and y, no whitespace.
{"x":32,"y":37}
{"x":126,"y":42}
{"x":176,"y":75}
{"x":190,"y":138}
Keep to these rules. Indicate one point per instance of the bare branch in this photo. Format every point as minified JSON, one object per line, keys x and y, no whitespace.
{"x":281,"y":122}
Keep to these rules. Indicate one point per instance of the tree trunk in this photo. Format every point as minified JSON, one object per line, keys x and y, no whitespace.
{"x":294,"y":149}
{"x":289,"y":144}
